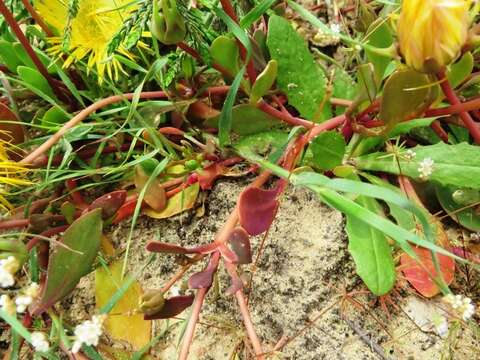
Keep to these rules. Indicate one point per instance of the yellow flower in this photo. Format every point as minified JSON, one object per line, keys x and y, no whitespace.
{"x":432,"y":32}
{"x":11,"y":172}
{"x":95,"y":24}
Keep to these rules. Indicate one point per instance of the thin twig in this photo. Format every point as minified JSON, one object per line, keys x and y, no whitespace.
{"x":367,"y":340}
{"x":29,"y":159}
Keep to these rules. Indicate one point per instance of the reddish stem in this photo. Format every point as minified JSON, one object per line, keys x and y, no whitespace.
{"x":189,"y":332}
{"x":286,"y":117}
{"x":15,"y":223}
{"x":455,"y":109}
{"x":194,"y":53}
{"x":247,"y":321}
{"x":29,"y":159}
{"x":77,"y":197}
{"x":55,"y":85}
{"x":47,"y":233}
{"x":38,"y":19}
{"x":453,"y":99}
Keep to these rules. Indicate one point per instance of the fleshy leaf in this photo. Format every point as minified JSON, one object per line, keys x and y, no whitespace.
{"x":172,"y":307}
{"x":10,"y":132}
{"x":204,"y":279}
{"x":299,"y":76}
{"x":125,"y":324}
{"x":379,"y":34}
{"x":406,"y":94}
{"x":257,"y":208}
{"x":239,"y":242}
{"x":459,"y":71}
{"x":224,"y":51}
{"x":109,"y":203}
{"x":468,"y":217}
{"x":208,"y":175}
{"x":264,"y":81}
{"x":155,"y":195}
{"x":328,"y":150}
{"x":247,"y":119}
{"x":178,"y":203}
{"x":67,"y":266}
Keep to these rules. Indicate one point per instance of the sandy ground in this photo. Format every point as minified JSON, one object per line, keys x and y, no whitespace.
{"x":302,"y":276}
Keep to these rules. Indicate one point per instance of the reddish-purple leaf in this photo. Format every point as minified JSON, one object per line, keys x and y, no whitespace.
{"x":239,"y":242}
{"x":172,"y":307}
{"x":12,"y":131}
{"x":228,"y":254}
{"x":204,"y":279}
{"x":109,"y":203}
{"x":207,"y":176}
{"x":237,"y":283}
{"x":256,"y":209}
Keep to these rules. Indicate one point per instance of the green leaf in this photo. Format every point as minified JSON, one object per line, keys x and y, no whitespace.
{"x":299,"y":76}
{"x":36,"y":80}
{"x":264,"y":81}
{"x":261,"y":143}
{"x":328,"y":150}
{"x":370,"y":250}
{"x":247,"y":120}
{"x":344,"y":87}
{"x":54,"y":117}
{"x":225,"y":122}
{"x":457,"y":165}
{"x":255,"y":14}
{"x":406,"y":94}
{"x":459,"y":71}
{"x":380,"y":35}
{"x":8,"y":56}
{"x":67,"y":266}
{"x":224,"y":52}
{"x":468,"y":217}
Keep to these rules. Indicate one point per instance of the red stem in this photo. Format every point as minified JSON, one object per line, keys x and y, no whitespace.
{"x":38,"y":19}
{"x":47,"y":233}
{"x":453,"y":99}
{"x":10,"y":19}
{"x":289,"y":119}
{"x":15,"y":223}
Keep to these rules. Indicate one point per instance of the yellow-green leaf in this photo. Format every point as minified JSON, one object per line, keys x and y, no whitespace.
{"x":122,"y":323}
{"x":178,"y":203}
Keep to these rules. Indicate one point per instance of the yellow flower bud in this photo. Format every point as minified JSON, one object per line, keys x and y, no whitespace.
{"x":432,"y":32}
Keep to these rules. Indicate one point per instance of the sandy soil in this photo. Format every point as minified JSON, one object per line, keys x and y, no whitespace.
{"x":302,"y":276}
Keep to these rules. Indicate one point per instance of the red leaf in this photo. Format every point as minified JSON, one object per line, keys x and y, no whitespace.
{"x":11,"y":132}
{"x":109,"y":203}
{"x":207,"y":176}
{"x":204,"y":279}
{"x":257,"y":208}
{"x":240,"y":244}
{"x":419,"y":278}
{"x":172,"y":307}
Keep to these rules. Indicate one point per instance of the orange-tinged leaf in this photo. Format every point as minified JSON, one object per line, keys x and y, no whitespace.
{"x":419,"y":278}
{"x":11,"y":132}
{"x":178,"y":203}
{"x":122,"y":324}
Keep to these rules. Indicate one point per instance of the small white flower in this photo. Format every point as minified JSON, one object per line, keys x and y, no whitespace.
{"x":10,"y":264}
{"x":39,"y":341}
{"x":441,"y":326}
{"x":7,"y":305}
{"x":6,"y":279}
{"x":88,"y":332}
{"x":335,"y":28}
{"x":22,"y":303}
{"x":33,"y":290}
{"x":461,"y":304}
{"x":410,"y":154}
{"x":425,"y":168}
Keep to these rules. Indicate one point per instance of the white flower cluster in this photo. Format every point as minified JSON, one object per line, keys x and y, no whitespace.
{"x":21,"y":302}
{"x":40,"y":342}
{"x":462,"y":305}
{"x":88,"y":332}
{"x":410,"y":154}
{"x":425,"y":168}
{"x":8,"y":268}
